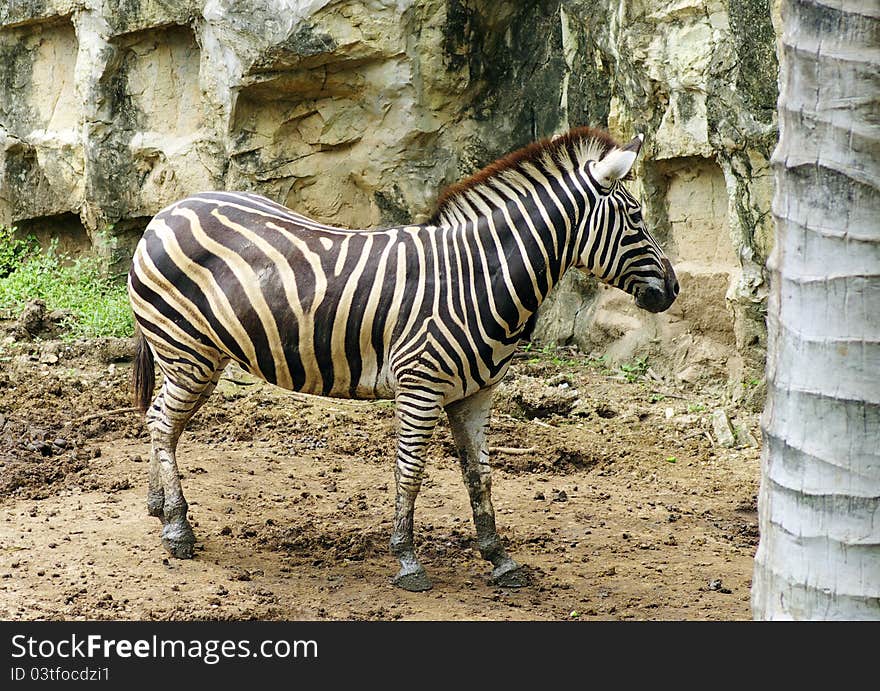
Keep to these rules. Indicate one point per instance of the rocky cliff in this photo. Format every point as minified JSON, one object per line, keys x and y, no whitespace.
{"x":359,"y":113}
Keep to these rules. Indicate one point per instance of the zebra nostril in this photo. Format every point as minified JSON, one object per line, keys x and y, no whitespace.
{"x":671,"y":283}
{"x":670,"y":280}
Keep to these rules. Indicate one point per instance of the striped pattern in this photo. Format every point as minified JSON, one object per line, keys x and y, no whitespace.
{"x":426,"y":314}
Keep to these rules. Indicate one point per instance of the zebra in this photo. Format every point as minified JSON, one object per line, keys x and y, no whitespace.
{"x":427,"y":314}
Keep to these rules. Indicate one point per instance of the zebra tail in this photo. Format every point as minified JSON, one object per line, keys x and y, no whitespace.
{"x":143,"y":374}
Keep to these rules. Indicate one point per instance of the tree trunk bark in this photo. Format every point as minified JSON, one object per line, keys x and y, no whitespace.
{"x":819,"y":502}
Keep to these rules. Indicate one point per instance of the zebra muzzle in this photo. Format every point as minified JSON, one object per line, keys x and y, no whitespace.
{"x":658,"y":294}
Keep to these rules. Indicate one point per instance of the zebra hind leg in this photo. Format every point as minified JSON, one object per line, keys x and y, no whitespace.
{"x":468,"y":419}
{"x":416,"y":421}
{"x":156,"y":493}
{"x":166,"y":419}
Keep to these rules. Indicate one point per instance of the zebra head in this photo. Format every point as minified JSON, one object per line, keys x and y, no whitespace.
{"x":617,"y":247}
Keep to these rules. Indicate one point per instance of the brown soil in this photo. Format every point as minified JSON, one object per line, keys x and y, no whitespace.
{"x":620,"y":511}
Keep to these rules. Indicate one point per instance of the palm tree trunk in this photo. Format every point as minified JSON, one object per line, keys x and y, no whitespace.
{"x":819,"y":502}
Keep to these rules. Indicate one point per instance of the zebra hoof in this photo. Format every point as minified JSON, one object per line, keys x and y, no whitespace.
{"x":510,"y":575}
{"x":414,"y":581}
{"x":180,"y":542}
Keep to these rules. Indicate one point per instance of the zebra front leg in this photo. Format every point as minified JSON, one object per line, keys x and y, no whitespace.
{"x":468,"y":419}
{"x":416,"y":421}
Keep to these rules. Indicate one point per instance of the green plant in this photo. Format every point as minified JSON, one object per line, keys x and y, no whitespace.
{"x":598,"y":361}
{"x":549,"y":353}
{"x":634,"y":370}
{"x":696,"y":407}
{"x":98,"y":304}
{"x":14,"y":250}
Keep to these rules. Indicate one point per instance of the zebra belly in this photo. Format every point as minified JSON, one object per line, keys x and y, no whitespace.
{"x":304,"y":370}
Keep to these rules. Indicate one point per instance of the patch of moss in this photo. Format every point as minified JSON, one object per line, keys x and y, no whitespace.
{"x":306,"y":41}
{"x":137,"y":15}
{"x":589,"y":83}
{"x":392,"y":207}
{"x":16,"y":68}
{"x":514,"y":58}
{"x":21,"y":11}
{"x":686,"y":108}
{"x":755,"y":44}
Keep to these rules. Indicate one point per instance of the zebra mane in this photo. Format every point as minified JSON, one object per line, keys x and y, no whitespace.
{"x":564,"y":151}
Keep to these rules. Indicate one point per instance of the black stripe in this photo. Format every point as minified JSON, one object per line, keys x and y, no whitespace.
{"x":408,"y":306}
{"x":227,"y":283}
{"x":272,"y":290}
{"x":358,"y":311}
{"x":325,"y":313}
{"x":170,"y":314}
{"x":191,"y":291}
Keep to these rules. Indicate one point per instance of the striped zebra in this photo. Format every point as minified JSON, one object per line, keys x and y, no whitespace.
{"x":428,"y":315}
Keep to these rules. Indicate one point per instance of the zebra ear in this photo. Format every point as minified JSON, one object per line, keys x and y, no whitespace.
{"x":617,"y":163}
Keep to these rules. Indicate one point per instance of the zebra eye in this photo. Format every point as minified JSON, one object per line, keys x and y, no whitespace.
{"x":636,"y":217}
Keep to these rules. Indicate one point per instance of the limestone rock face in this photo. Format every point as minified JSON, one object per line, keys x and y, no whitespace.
{"x":359,"y":113}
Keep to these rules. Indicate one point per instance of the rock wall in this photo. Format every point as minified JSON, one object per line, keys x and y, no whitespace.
{"x":359,"y":113}
{"x":699,"y":77}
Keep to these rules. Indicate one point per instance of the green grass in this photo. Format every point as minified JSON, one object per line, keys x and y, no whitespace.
{"x":98,"y":302}
{"x":632,"y":372}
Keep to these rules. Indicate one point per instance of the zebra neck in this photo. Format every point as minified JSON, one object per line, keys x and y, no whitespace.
{"x":518,"y":263}
{"x":525,"y":233}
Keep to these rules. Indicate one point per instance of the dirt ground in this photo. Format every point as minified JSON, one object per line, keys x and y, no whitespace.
{"x":615,"y":493}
